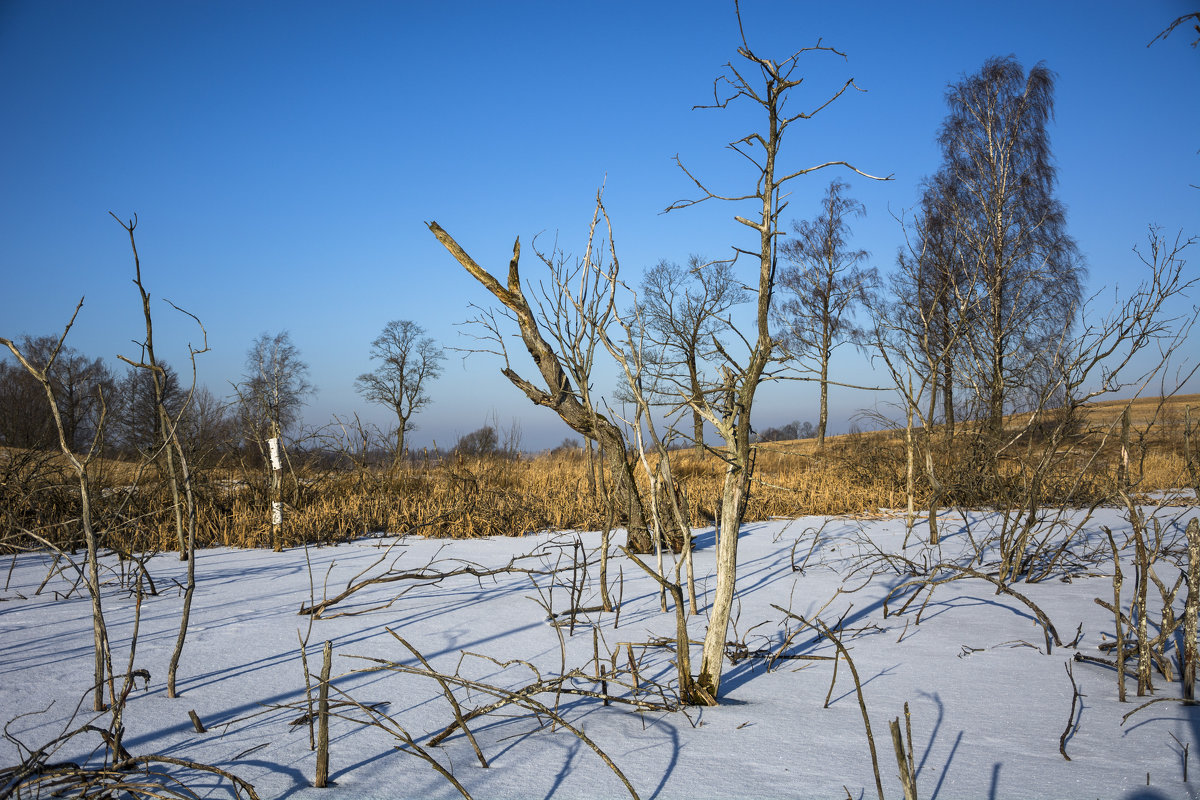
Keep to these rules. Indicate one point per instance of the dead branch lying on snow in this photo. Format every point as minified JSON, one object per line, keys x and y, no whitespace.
{"x":960,"y":573}
{"x":522,"y":697}
{"x":426,"y":574}
{"x":129,"y":776}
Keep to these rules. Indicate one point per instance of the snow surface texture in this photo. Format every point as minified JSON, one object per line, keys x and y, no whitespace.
{"x":988,"y":703}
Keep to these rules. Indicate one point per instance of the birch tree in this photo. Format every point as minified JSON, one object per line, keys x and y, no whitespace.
{"x":1025,"y":269}
{"x":819,"y":288}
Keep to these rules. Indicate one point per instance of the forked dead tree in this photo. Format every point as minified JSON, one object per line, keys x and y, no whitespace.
{"x":726,"y":404}
{"x":565,"y":397}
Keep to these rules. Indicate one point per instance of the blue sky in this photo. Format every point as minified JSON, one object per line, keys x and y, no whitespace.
{"x":282,"y":158}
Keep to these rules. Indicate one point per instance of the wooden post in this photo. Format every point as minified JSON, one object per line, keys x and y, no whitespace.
{"x":322,"y":777}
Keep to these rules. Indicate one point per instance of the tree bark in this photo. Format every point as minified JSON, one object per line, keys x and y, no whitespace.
{"x":712,"y":661}
{"x":824,"y":418}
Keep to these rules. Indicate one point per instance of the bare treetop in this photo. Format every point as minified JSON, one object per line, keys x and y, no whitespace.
{"x":274,"y":386}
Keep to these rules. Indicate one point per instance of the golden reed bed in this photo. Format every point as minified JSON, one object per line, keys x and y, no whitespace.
{"x":477,"y":497}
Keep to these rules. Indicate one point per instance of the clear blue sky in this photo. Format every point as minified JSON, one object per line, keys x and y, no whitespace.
{"x":283,"y":157}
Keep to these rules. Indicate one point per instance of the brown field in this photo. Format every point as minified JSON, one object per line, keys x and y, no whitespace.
{"x":476,"y":497}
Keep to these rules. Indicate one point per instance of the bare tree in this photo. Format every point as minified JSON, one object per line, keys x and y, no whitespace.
{"x":682,"y":310}
{"x":1023,"y":267}
{"x":80,"y":465}
{"x":135,"y":418}
{"x":822,"y":283}
{"x":208,"y":428}
{"x":728,"y":406}
{"x":179,"y":471}
{"x":409,"y":360}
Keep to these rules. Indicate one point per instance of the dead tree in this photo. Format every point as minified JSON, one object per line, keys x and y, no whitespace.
{"x":172,"y":446}
{"x":103,"y":657}
{"x":727,"y":406}
{"x":570,"y":400}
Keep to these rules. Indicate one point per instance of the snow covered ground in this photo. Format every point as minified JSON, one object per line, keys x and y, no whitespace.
{"x":988,"y":703}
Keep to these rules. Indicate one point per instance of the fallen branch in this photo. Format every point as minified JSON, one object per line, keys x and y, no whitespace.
{"x":523,"y":698}
{"x":1051,"y":632}
{"x":423,"y":575}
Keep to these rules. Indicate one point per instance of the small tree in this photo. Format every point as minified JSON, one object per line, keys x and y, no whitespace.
{"x":270,"y":398}
{"x":818,"y":289}
{"x":409,"y":360}
{"x":480,"y":442}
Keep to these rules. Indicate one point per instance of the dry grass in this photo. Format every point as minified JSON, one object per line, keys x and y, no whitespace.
{"x":1144,"y":410}
{"x":479,"y":497}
